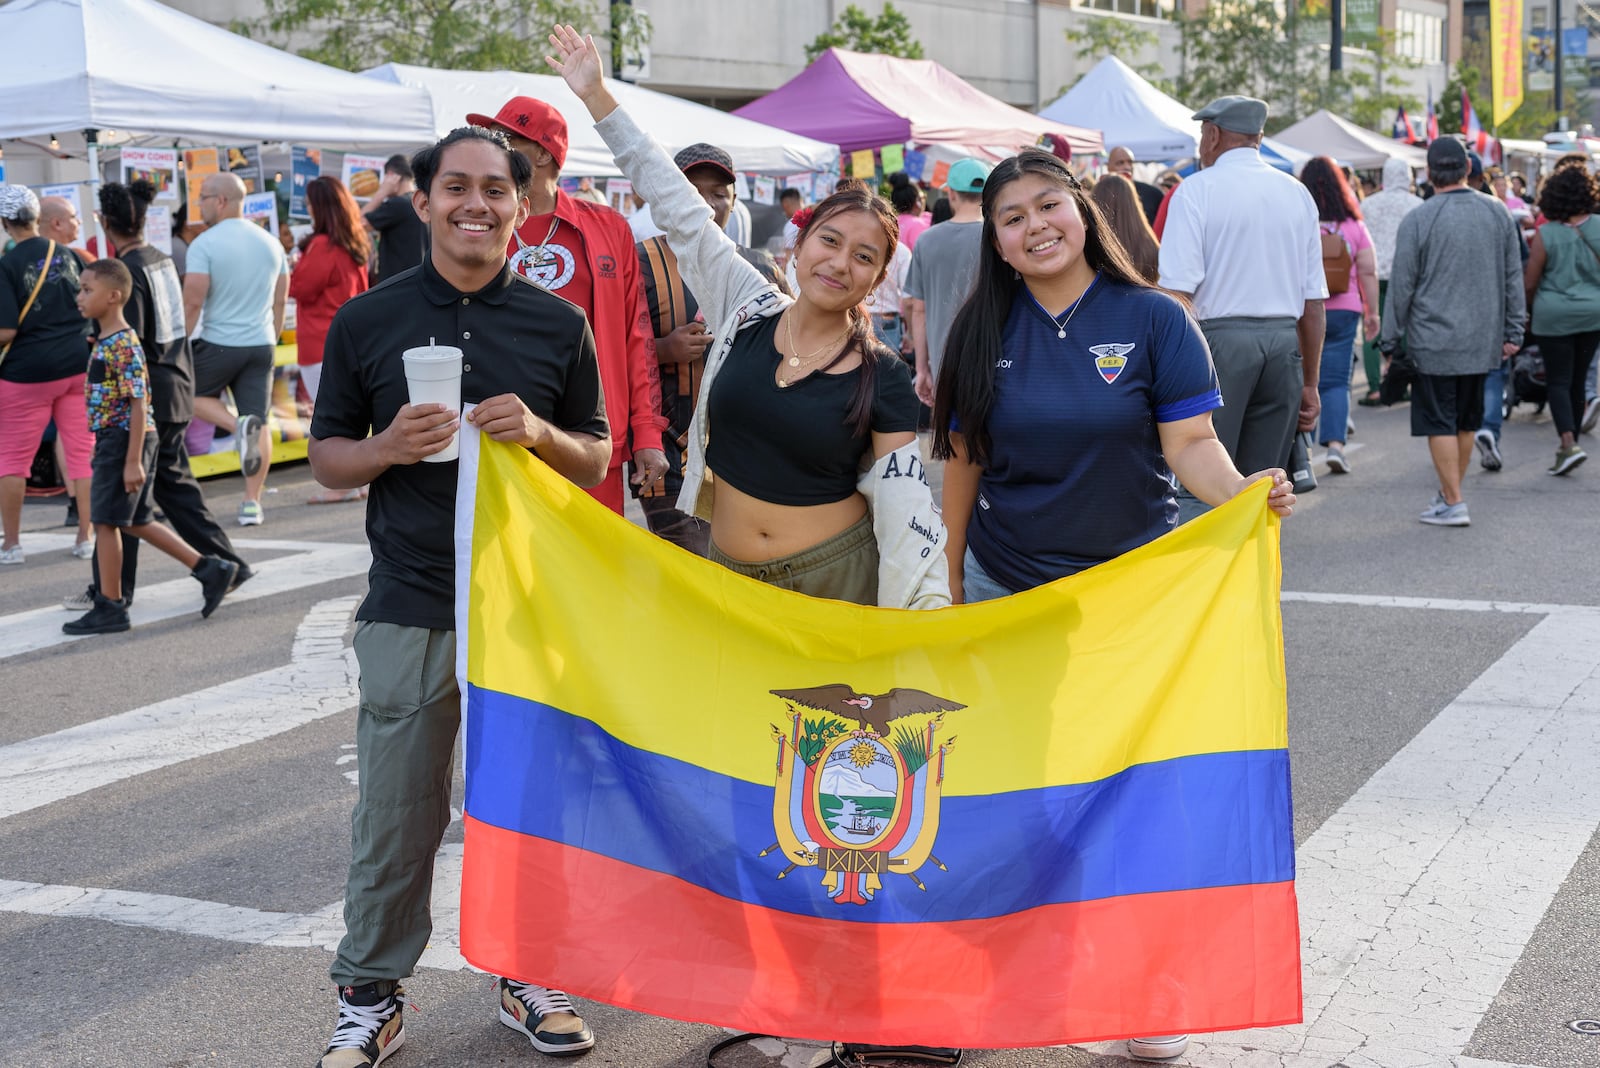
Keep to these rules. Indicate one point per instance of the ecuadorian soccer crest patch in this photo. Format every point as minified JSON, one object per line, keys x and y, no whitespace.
{"x":1110,"y":359}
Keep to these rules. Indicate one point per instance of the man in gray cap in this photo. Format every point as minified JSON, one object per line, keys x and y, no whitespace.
{"x":1455,"y":296}
{"x":1242,"y":242}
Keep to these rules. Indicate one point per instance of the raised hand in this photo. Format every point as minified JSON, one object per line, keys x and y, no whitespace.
{"x":577,"y":60}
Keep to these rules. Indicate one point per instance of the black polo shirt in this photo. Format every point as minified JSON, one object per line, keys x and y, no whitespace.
{"x":516,"y":338}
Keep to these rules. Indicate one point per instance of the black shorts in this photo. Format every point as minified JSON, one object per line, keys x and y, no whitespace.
{"x":109,"y":504}
{"x":245,"y":371}
{"x":1446,"y":405}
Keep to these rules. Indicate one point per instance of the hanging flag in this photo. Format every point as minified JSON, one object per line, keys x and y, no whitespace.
{"x":1402,"y":128}
{"x":1432,"y":130}
{"x":1477,"y":138}
{"x":1057,"y":817}
{"x":1505,"y":51}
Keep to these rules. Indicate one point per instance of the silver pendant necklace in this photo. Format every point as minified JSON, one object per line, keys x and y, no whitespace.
{"x":1061,"y":327}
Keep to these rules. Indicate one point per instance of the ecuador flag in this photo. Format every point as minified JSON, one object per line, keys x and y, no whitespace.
{"x":1058,"y":817}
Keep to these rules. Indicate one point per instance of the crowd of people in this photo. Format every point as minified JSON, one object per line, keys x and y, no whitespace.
{"x":1097,"y":360}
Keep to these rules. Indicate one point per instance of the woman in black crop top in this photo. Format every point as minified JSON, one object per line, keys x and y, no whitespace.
{"x":798,"y":399}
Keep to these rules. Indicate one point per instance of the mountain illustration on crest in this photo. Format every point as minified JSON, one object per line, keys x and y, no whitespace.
{"x":841,"y":780}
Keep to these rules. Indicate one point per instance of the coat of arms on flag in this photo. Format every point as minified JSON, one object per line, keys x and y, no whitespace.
{"x":1065,"y":812}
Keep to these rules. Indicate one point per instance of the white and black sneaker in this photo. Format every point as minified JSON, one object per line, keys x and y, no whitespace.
{"x":247,"y":438}
{"x":546,"y":1016}
{"x":370,"y":1027}
{"x":1489,"y":450}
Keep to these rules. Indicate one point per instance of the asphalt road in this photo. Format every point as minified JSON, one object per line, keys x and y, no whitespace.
{"x":174,"y":801}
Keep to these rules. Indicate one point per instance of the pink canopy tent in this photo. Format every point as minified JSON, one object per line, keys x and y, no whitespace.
{"x":857,"y":101}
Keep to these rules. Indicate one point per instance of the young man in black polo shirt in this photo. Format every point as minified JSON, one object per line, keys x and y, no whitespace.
{"x":530,"y":367}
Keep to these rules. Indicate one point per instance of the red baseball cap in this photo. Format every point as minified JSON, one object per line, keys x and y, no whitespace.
{"x":533,"y":119}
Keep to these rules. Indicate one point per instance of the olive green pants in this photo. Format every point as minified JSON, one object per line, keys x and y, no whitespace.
{"x":843,"y":568}
{"x":405,"y":744}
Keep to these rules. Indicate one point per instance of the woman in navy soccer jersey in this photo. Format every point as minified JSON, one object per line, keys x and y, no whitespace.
{"x":1072,"y":390}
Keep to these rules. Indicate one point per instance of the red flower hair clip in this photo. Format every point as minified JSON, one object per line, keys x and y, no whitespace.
{"x":801,"y":218}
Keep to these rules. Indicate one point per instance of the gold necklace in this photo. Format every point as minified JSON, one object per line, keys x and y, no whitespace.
{"x":797,"y":360}
{"x":537,"y":257}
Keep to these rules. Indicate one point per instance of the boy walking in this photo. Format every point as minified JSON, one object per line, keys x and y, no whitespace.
{"x":117,"y":398}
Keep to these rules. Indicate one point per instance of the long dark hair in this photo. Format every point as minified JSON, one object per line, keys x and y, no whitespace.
{"x":1118,"y":202}
{"x":1329,"y":190}
{"x":858,"y":198}
{"x":966,"y":381}
{"x":335,"y":216}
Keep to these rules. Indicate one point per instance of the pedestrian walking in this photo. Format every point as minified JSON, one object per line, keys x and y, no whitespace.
{"x":531,"y":370}
{"x":43,"y":351}
{"x":1242,"y":242}
{"x":1352,"y":277}
{"x":585,"y":253}
{"x":239,"y":277}
{"x":943,"y":271}
{"x":331,"y":270}
{"x":1382,"y":213}
{"x":154,"y":312}
{"x":1072,"y":393}
{"x":1115,"y":197}
{"x":1456,"y":300}
{"x":910,"y":208}
{"x":117,"y":391}
{"x":1562,"y":282}
{"x":392,"y":218}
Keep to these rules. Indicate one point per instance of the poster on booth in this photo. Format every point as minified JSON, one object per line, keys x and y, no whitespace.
{"x":894,"y":158}
{"x":245,"y":161}
{"x":158,"y":227}
{"x":619,"y":194}
{"x":198,"y":164}
{"x":305,"y":164}
{"x":916,"y":165}
{"x":262,"y":209}
{"x":68,"y":191}
{"x":362,"y":175}
{"x":158,"y":166}
{"x":766,"y":189}
{"x":801,"y":182}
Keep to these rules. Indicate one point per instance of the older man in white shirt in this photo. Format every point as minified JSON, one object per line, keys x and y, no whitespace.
{"x":1242,"y":242}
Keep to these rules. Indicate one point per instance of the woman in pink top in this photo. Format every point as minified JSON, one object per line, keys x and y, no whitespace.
{"x":332,"y":269}
{"x":908,"y":201}
{"x":1356,"y":306}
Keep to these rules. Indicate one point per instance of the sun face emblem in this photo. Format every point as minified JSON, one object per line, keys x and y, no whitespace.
{"x":863,"y":754}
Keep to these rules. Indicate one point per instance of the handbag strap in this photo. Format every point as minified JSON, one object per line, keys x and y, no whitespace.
{"x":49,"y":258}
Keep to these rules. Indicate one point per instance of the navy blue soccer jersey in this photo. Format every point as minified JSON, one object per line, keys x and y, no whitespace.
{"x":1076,"y":475}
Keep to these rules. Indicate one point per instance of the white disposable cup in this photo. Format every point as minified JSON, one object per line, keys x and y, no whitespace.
{"x":433,"y":376}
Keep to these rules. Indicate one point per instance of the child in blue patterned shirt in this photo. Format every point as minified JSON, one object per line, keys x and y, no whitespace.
{"x":117,"y":395}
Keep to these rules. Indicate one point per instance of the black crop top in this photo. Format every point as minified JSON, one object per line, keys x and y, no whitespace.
{"x":792,"y":445}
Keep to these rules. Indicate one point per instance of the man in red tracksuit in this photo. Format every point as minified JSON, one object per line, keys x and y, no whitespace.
{"x":585,"y":253}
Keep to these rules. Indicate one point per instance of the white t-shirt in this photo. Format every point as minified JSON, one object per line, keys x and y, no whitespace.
{"x":1243,"y":238}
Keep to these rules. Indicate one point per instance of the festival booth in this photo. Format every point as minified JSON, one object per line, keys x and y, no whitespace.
{"x":93,"y":74}
{"x":865,"y":103}
{"x":1152,"y":125}
{"x":676,"y":123}
{"x":1326,"y":134}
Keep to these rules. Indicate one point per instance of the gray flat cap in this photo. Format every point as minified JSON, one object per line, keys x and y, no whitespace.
{"x":1239,"y":114}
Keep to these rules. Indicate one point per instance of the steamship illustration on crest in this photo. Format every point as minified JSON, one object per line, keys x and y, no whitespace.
{"x":859,"y":799}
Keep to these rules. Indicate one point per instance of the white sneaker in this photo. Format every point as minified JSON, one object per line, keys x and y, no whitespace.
{"x":13,"y":555}
{"x":1591,"y":416}
{"x":84,"y":550}
{"x":1158,"y":1047}
{"x":1489,"y":449}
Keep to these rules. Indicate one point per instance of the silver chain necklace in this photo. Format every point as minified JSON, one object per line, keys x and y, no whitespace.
{"x":1061,"y":327}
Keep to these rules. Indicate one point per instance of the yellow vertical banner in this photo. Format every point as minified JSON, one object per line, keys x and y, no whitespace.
{"x":862,"y":163}
{"x":1505,"y":24}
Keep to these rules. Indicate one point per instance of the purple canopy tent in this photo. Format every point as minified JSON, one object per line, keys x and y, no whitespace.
{"x":858,"y":101}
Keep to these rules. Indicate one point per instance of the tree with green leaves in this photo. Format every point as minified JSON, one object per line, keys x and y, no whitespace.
{"x":1247,"y":47}
{"x":446,"y":34}
{"x":1105,"y":35}
{"x":1534,"y":118}
{"x":888,"y":35}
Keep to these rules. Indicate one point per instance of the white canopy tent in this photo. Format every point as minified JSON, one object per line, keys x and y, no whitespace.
{"x":137,"y":70}
{"x":1326,"y":134}
{"x":1129,"y":111}
{"x":676,"y":123}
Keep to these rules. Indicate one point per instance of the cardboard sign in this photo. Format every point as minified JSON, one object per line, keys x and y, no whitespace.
{"x":362,"y":175}
{"x":198,"y":163}
{"x":158,"y":166}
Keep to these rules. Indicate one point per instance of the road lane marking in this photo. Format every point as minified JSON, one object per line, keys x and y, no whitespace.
{"x":1418,"y":897}
{"x":40,"y":628}
{"x":318,"y":681}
